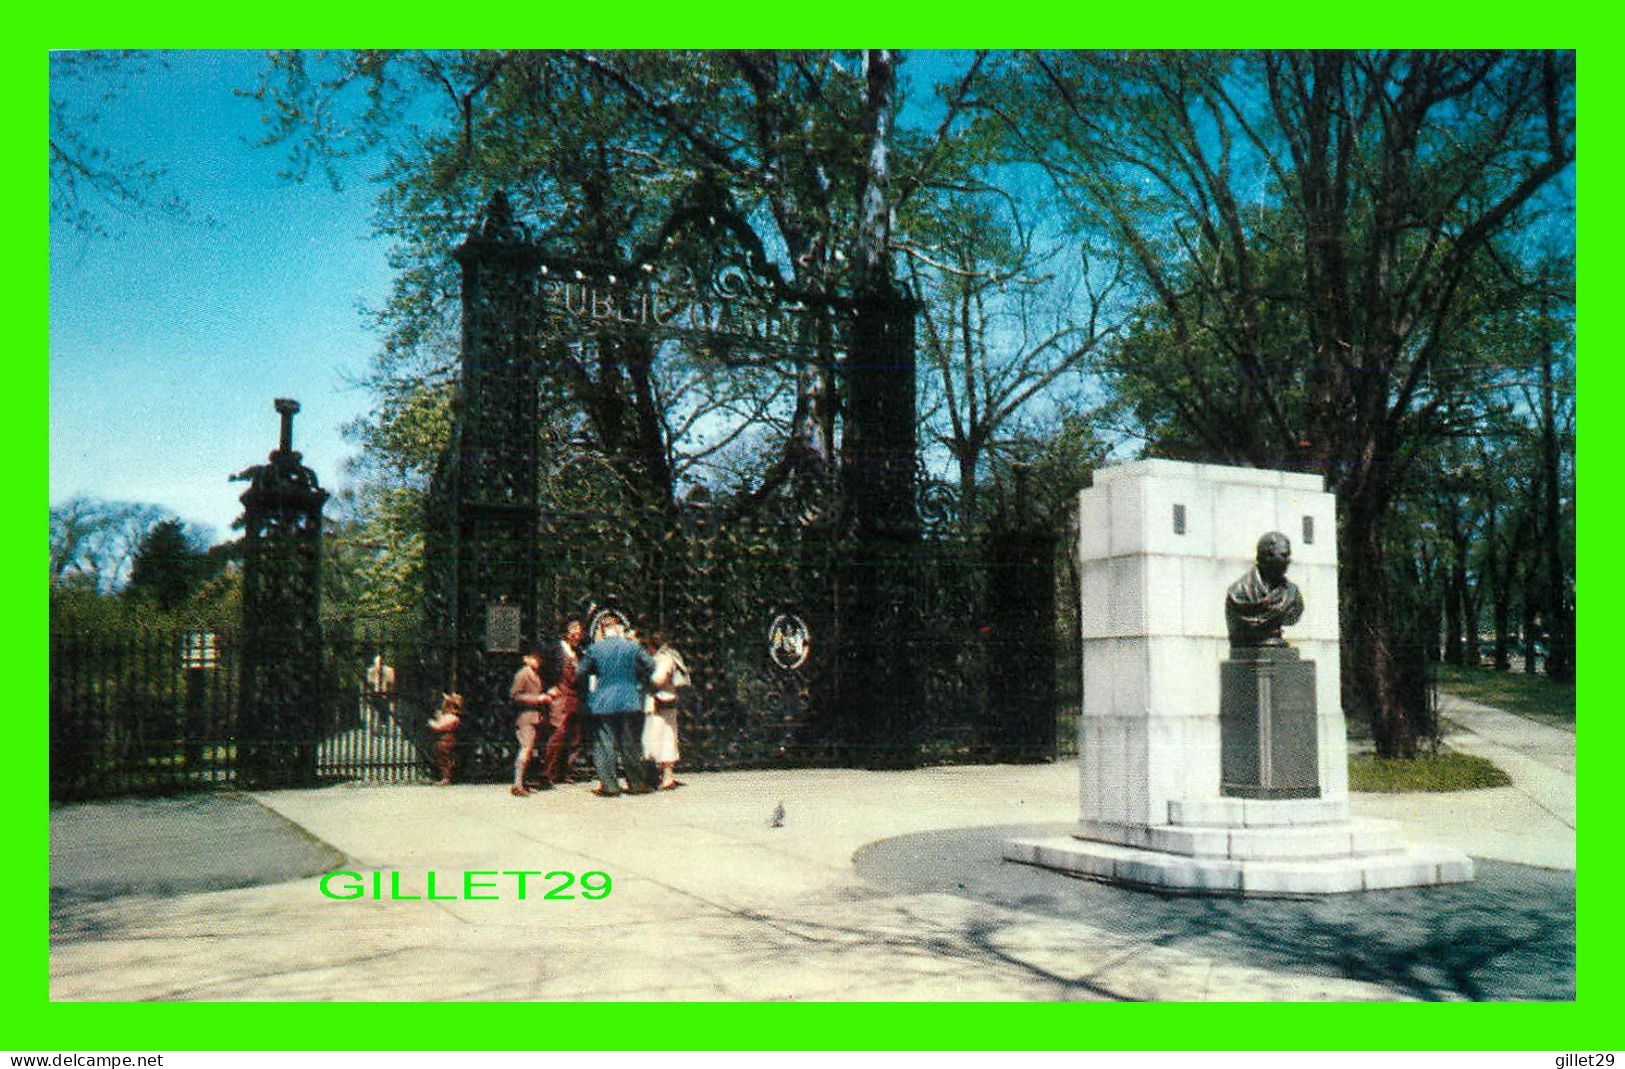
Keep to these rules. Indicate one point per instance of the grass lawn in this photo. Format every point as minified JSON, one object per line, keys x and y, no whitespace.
{"x":1535,"y":697}
{"x":1442,"y":771}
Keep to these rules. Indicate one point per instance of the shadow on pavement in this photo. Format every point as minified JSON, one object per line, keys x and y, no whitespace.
{"x":167,"y":846}
{"x":1507,"y":935}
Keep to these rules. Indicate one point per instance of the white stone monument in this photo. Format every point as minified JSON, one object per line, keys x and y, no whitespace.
{"x":1159,"y":542}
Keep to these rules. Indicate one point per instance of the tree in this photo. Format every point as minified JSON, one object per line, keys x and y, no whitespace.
{"x":1461,"y":515}
{"x":373,"y":558}
{"x":96,"y":539}
{"x":1389,"y":181}
{"x":1552,"y":402}
{"x":1508,"y":530}
{"x":998,"y":331}
{"x":74,"y":525}
{"x":596,"y":151}
{"x":168,"y":566}
{"x":119,"y":567}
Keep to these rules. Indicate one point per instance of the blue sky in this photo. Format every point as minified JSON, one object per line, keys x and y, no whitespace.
{"x":170,"y":338}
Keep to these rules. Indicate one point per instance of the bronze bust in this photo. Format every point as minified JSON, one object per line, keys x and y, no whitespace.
{"x":1263,"y":601}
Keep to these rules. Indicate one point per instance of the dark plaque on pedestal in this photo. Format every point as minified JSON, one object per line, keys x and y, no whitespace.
{"x":1267,"y":735}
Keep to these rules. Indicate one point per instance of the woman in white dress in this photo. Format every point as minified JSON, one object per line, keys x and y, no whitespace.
{"x":660,"y":708}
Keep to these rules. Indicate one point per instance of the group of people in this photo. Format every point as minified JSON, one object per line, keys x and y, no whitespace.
{"x":629,"y":691}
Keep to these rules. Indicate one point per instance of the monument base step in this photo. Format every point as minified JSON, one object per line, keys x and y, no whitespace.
{"x":1413,"y":866}
{"x":1257,"y":812}
{"x":1296,"y":842}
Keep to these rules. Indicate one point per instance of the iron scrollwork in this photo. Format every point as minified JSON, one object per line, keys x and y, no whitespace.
{"x":938,"y":505}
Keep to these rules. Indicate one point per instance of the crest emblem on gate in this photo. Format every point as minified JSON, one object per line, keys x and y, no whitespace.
{"x":789,"y":641}
{"x":599,"y":614}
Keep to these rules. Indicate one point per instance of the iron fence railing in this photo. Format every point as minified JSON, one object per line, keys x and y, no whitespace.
{"x":148,"y":712}
{"x":151,"y":712}
{"x":142,"y":712}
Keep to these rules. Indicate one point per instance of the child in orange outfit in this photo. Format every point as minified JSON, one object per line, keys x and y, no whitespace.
{"x":446,"y":723}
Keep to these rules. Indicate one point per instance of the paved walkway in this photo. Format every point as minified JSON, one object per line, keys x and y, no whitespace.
{"x":1531,"y":821}
{"x":875,"y":886}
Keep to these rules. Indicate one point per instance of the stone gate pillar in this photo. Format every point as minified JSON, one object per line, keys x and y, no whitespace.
{"x":483,"y":567}
{"x":1017,"y":720}
{"x":879,"y":688}
{"x":279,"y":713}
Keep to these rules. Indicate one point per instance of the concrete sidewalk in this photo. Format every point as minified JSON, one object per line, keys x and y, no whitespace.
{"x":877,"y":886}
{"x":1530,"y":822}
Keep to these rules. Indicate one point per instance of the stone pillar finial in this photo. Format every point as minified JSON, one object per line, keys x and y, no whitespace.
{"x":286,"y":407}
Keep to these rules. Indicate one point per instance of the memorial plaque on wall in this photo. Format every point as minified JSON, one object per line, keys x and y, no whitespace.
{"x":1267,"y":729}
{"x":502,"y":627}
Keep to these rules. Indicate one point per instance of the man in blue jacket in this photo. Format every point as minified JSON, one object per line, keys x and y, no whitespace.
{"x":612,"y":672}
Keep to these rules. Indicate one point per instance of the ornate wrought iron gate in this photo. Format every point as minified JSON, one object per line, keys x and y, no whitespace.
{"x":821,"y":624}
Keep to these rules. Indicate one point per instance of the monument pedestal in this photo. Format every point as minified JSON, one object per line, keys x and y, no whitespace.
{"x":1198,"y":773}
{"x":1267,"y":737}
{"x":1277,"y":848}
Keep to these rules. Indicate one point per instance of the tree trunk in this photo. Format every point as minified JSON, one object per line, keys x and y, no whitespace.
{"x":647,"y":447}
{"x":1559,"y":627}
{"x":874,"y":199}
{"x":1531,"y":598}
{"x":1455,"y":599}
{"x":967,"y":492}
{"x":1503,"y":627}
{"x":1471,"y":601}
{"x":1502,"y":568}
{"x":1370,"y":673}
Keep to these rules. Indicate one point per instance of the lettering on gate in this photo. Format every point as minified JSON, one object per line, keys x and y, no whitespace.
{"x":729,"y":309}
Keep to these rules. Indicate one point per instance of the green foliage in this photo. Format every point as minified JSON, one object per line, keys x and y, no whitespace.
{"x":1175,"y":385}
{"x":1041,"y":471}
{"x":93,"y":540}
{"x":217,"y":602}
{"x":118,"y":566}
{"x":405,"y":433}
{"x":372,"y":568}
{"x":168,"y":566}
{"x":1470,"y":510}
{"x":214,"y":604}
{"x":1443,"y":770}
